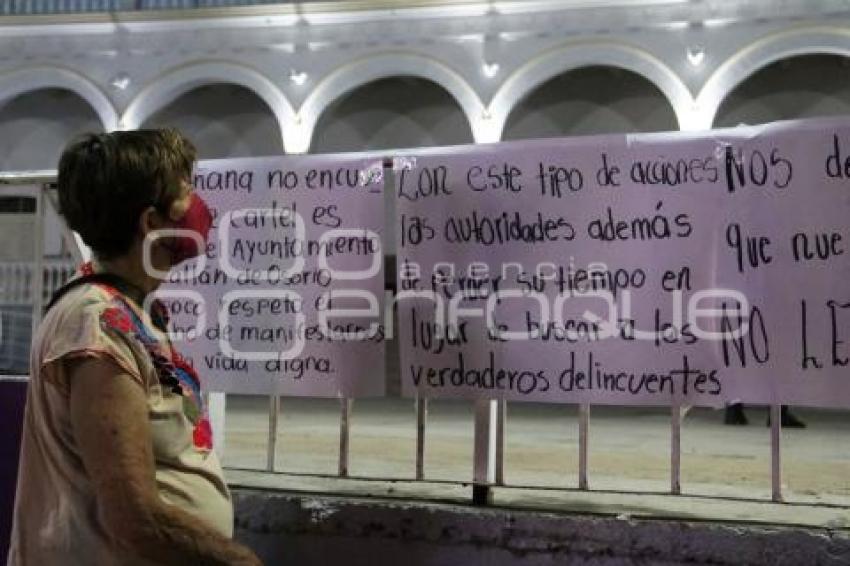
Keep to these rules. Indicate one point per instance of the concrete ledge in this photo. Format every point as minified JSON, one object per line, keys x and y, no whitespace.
{"x":640,"y":502}
{"x":301,"y":528}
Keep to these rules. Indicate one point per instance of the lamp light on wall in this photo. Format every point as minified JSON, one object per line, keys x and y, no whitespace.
{"x":490,"y":70}
{"x":297,"y":77}
{"x":696,"y":55}
{"x":120,"y":81}
{"x":491,"y":51}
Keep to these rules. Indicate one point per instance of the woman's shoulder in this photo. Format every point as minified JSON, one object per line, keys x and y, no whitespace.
{"x":92,"y":320}
{"x":90,"y":302}
{"x":92,"y":316}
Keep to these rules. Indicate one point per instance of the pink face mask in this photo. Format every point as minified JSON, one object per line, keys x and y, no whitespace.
{"x":198,"y":219}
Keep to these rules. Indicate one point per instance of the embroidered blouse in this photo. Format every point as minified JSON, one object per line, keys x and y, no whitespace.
{"x":56,"y":518}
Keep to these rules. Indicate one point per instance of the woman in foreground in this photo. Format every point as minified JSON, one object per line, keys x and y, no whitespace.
{"x":117,"y":464}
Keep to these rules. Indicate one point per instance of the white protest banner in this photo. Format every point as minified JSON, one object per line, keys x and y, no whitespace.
{"x":645,"y":269}
{"x":287,"y":299}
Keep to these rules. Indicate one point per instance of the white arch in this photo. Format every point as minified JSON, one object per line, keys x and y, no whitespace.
{"x":176,"y":81}
{"x":357,"y":73}
{"x":569,"y":57}
{"x":21,"y":81}
{"x":763,"y":52}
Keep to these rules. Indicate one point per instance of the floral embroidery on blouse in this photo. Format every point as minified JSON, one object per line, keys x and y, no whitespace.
{"x":174,"y":372}
{"x":116,"y":319}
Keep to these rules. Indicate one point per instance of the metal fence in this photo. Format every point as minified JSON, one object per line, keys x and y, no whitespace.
{"x":28,"y":293}
{"x":17,"y":284}
{"x":17,"y":280}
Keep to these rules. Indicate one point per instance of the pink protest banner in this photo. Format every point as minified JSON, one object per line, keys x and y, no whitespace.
{"x":287,"y":298}
{"x":694,"y":268}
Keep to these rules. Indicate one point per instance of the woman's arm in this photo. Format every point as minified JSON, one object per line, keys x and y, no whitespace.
{"x":109,"y":416}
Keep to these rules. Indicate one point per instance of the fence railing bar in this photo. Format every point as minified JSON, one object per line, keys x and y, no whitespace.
{"x":484,"y":453}
{"x":217,"y":411}
{"x":675,"y":449}
{"x":344,"y":435}
{"x":776,"y":452}
{"x":421,"y":406}
{"x":14,"y":377}
{"x":501,"y":422}
{"x":38,"y":274}
{"x":271,"y":446}
{"x":583,"y":433}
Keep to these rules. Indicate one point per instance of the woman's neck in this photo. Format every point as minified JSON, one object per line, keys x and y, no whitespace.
{"x":131,"y":270}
